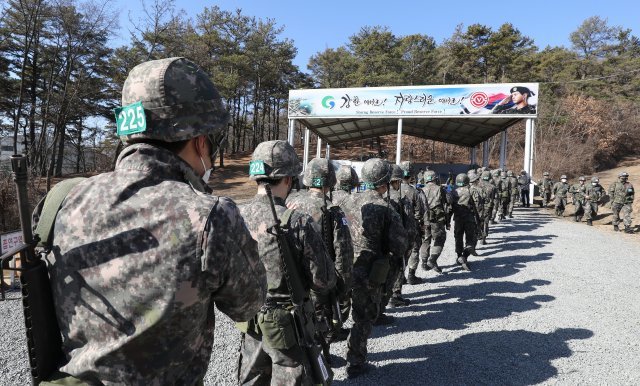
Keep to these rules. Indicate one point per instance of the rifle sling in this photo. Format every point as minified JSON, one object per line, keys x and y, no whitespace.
{"x":52,"y":204}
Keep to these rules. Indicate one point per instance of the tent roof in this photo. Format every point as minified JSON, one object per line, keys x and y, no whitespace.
{"x":460,"y":131}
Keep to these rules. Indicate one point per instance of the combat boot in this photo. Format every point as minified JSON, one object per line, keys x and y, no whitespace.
{"x":628,"y":229}
{"x":355,"y":370}
{"x":493,"y":222}
{"x":433,"y":264}
{"x":615,"y":228}
{"x":398,"y":301}
{"x":589,"y":222}
{"x":383,"y":320}
{"x":484,"y":241}
{"x":462,"y":261}
{"x":510,"y":215}
{"x":412,"y":279}
{"x":577,"y":219}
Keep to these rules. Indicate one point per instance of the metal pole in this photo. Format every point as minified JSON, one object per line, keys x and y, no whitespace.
{"x":319,"y":149}
{"x":527,"y":146}
{"x":531,"y":136}
{"x":485,"y":153}
{"x":328,"y":152}
{"x":503,"y":150}
{"x":305,"y":156}
{"x":291,"y":132}
{"x":472,"y":156}
{"x":399,"y":142}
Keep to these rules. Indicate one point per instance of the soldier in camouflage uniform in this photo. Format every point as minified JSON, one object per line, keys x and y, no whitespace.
{"x":418,"y":203}
{"x":141,"y":254}
{"x":545,"y":185}
{"x":515,"y":193}
{"x":482,"y":198}
{"x":319,"y":176}
{"x":267,"y":356}
{"x":347,"y":180}
{"x":578,"y":192}
{"x":560,"y":190}
{"x":377,"y":233}
{"x":436,"y":222}
{"x":495,"y":180}
{"x":491,"y":193}
{"x":504,"y":191}
{"x":402,"y":206}
{"x":465,"y":202}
{"x":594,"y":194}
{"x":622,"y":194}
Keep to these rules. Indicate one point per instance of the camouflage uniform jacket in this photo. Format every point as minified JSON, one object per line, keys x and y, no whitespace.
{"x":490,"y":194}
{"x":504,"y":188}
{"x":595,"y":192}
{"x":524,"y":182}
{"x":140,"y":256}
{"x":417,"y":201}
{"x":376,"y":230}
{"x":578,"y":191}
{"x":545,"y":185}
{"x":340,"y":246}
{"x":402,"y":206}
{"x":560,"y":189}
{"x":341,"y":198}
{"x":621,"y":193}
{"x":513,"y":182}
{"x":315,"y":265}
{"x":466,"y":200}
{"x":435,"y":197}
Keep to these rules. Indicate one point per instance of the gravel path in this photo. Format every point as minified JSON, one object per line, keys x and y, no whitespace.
{"x":550,"y":301}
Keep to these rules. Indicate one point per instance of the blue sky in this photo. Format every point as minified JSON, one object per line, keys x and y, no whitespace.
{"x":315,"y":26}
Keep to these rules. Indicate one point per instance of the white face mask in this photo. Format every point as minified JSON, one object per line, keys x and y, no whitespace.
{"x":207,"y":172}
{"x":564,"y":180}
{"x":594,"y":183}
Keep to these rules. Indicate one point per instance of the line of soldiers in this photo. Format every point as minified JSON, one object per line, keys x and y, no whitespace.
{"x":587,"y":198}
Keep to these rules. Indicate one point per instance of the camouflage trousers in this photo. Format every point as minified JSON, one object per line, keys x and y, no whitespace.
{"x":259,"y":364}
{"x":512,"y":202}
{"x":436,"y":232}
{"x":395,"y":279}
{"x":416,"y":251}
{"x":465,"y":233}
{"x":365,"y":304}
{"x":621,"y":210}
{"x":561,"y":204}
{"x":546,"y":198}
{"x":485,"y":226}
{"x":504,"y":206}
{"x":496,"y":208}
{"x":591,"y":210}
{"x":579,"y":205}
{"x":345,"y":305}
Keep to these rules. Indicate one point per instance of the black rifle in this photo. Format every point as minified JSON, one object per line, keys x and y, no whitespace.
{"x":327,"y":236}
{"x":404,"y":220}
{"x":315,"y":365}
{"x":44,"y":340}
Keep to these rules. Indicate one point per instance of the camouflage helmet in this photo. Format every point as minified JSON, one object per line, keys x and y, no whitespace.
{"x":473,"y":176}
{"x":179,"y":100}
{"x":462,"y":179}
{"x":623,"y":175}
{"x":582,"y":178}
{"x":496,"y":173}
{"x":486,"y":175}
{"x":563,"y":177}
{"x":546,"y":174}
{"x":396,"y":173}
{"x":430,"y":176}
{"x":595,"y":179}
{"x":376,"y":172}
{"x":405,"y":166}
{"x":274,"y":159}
{"x":346,"y":176}
{"x":420,"y":177}
{"x":509,"y":173}
{"x":319,"y":173}
{"x":503,"y":175}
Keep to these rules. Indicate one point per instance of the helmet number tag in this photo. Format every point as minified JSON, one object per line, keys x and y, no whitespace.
{"x":131,"y":119}
{"x":256,"y":168}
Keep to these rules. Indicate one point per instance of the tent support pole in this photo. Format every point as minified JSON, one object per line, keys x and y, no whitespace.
{"x":399,"y":142}
{"x":485,"y":153}
{"x":503,"y":149}
{"x":305,"y":157}
{"x":319,"y":148}
{"x":291,"y":132}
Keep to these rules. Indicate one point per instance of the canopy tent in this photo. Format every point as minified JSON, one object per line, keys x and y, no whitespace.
{"x":464,"y":115}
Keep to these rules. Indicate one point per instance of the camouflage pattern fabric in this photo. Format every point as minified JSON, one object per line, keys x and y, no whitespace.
{"x":178,"y":98}
{"x":504,"y":191}
{"x":280,"y":160}
{"x":434,"y":229}
{"x":341,"y":198}
{"x":515,"y":193}
{"x":140,"y":257}
{"x":579,"y":192}
{"x":465,"y":201}
{"x":490,"y":194}
{"x":545,"y":185}
{"x":418,"y":202}
{"x":593,"y":195}
{"x":315,"y":267}
{"x":622,"y":196}
{"x":560,"y":190}
{"x":259,"y":364}
{"x":376,"y":231}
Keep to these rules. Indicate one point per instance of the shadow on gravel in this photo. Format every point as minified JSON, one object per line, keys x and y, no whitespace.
{"x":489,"y":267}
{"x":493,"y":358}
{"x":474,"y":291}
{"x":514,"y":243}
